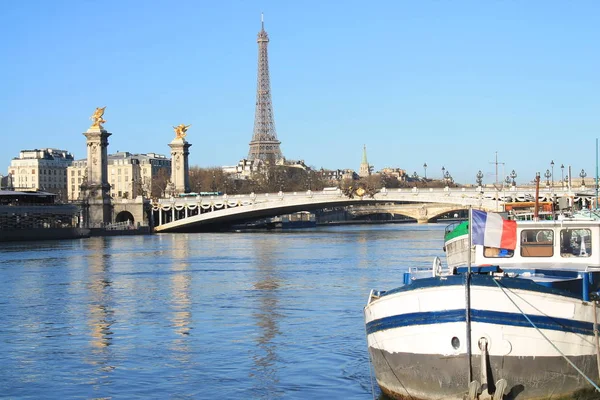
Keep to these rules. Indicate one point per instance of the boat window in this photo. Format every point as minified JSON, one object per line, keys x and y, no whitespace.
{"x":494,"y":252}
{"x":537,"y":243}
{"x":575,"y":243}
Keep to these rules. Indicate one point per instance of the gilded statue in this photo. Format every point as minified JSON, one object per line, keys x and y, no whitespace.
{"x":180,"y":130}
{"x":97,"y":117}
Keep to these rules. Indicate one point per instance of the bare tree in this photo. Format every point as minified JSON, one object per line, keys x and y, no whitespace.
{"x":159,"y":183}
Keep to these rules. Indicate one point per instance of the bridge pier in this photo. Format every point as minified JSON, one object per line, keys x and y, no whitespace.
{"x":422,"y":220}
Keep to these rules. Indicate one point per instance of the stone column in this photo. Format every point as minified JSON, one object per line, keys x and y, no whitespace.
{"x":180,"y":177}
{"x":96,"y":190}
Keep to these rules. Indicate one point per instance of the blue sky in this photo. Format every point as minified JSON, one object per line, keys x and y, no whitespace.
{"x":449,"y":83}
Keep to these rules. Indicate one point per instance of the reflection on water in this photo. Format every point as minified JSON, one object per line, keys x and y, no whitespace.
{"x":221,"y":315}
{"x":266,"y":287}
{"x":180,"y":289}
{"x":100,"y":315}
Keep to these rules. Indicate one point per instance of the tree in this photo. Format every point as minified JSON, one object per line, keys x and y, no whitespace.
{"x":159,"y":183}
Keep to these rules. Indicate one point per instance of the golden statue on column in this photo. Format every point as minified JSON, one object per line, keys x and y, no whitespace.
{"x":97,"y":117}
{"x":180,"y":130}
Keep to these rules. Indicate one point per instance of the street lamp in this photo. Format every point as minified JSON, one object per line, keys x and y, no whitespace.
{"x":443,"y":170}
{"x":448,"y":178}
{"x":513,"y":175}
{"x":552,"y":166}
{"x":547,"y":175}
{"x":479,"y":177}
{"x":562,"y":175}
{"x":582,"y":174}
{"x":425,"y":168}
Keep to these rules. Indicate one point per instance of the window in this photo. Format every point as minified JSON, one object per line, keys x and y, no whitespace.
{"x":537,"y":243}
{"x":575,"y":243}
{"x":493,"y":252}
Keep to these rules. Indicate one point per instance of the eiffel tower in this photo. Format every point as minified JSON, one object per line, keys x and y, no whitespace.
{"x":264,"y":145}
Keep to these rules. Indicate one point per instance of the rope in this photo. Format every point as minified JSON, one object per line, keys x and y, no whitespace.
{"x":596,"y":337}
{"x":371,"y":370}
{"x":548,"y":340}
{"x":387,"y":362}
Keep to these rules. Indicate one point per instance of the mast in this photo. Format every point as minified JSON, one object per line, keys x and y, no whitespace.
{"x":468,"y":299}
{"x":537,"y":195}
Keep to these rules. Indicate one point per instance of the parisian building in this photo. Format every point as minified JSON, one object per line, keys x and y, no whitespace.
{"x":129,"y":175}
{"x":41,"y":169}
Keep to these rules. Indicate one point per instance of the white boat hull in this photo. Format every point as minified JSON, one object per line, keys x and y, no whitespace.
{"x":410,"y":338}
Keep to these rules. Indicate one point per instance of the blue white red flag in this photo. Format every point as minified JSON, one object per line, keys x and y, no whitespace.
{"x":491,"y":230}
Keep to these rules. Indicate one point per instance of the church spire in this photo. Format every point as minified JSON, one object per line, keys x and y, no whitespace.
{"x":365,"y":170}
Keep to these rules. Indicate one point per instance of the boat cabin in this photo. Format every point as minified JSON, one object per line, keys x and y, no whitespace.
{"x":561,"y":244}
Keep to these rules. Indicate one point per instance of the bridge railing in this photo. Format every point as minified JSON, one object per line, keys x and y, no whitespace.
{"x":508,"y":194}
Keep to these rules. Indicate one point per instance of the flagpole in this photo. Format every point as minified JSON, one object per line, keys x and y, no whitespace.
{"x":468,"y":297}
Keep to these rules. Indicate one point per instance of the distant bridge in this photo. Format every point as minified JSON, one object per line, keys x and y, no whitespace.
{"x":185,"y":214}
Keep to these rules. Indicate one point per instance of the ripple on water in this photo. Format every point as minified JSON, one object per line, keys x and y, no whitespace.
{"x":220,"y":315}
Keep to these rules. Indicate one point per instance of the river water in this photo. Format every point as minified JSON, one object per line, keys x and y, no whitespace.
{"x":252,"y":315}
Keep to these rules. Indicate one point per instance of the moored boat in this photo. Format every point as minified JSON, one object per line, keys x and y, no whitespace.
{"x":512,"y":322}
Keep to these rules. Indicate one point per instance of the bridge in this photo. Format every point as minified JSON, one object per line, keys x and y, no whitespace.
{"x":188,"y":214}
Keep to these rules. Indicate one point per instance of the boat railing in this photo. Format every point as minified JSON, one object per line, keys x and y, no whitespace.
{"x":449,"y":228}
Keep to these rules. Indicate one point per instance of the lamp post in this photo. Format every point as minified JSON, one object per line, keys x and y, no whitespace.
{"x":479,"y":177}
{"x":547,"y":175}
{"x":562,"y":175}
{"x":513,"y":175}
{"x":552,"y":173}
{"x":448,"y":178}
{"x":582,"y":174}
{"x":425,"y":168}
{"x":443,"y":170}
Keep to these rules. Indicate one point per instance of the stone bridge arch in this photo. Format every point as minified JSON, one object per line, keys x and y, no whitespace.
{"x":423,"y":212}
{"x":192,"y":214}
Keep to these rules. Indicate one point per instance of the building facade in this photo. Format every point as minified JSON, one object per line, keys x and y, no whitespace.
{"x":41,"y":169}
{"x":129,"y":175}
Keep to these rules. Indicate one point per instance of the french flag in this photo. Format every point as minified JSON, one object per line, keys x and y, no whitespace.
{"x":491,"y":230}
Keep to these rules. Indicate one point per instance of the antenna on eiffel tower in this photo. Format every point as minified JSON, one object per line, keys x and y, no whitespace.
{"x":264,"y":145}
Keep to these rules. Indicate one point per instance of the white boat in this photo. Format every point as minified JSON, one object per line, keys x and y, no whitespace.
{"x":517,"y":324}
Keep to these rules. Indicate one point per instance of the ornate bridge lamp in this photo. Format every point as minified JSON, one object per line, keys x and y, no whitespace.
{"x":443,"y":171}
{"x":562,"y":175}
{"x":547,"y":175}
{"x":448,"y":178}
{"x":552,"y":172}
{"x":513,"y":175}
{"x":479,"y":179}
{"x":582,"y":175}
{"x":425,"y":168}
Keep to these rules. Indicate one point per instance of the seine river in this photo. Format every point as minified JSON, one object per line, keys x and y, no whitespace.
{"x":261,"y":315}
